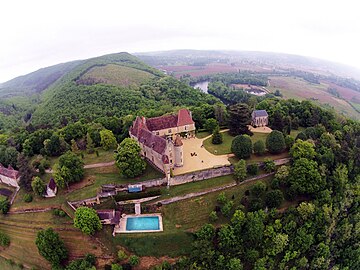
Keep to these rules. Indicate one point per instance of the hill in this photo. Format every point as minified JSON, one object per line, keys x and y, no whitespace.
{"x":110,"y":85}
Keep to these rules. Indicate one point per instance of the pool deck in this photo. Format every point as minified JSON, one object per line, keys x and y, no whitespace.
{"x":121,"y":228}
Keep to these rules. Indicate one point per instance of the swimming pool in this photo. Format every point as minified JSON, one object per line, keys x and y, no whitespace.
{"x":147,"y":223}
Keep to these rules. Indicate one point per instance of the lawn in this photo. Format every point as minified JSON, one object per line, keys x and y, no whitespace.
{"x":180,"y":220}
{"x":256,"y":159}
{"x":225,"y":147}
{"x":202,"y":134}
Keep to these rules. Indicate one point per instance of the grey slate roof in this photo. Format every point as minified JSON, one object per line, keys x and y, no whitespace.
{"x":260,"y":113}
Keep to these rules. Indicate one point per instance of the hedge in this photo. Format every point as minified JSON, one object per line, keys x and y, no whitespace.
{"x":134,"y":196}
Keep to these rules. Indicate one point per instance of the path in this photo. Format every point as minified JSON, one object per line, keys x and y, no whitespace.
{"x":90,"y":166}
{"x":32,"y":210}
{"x":197,"y":194}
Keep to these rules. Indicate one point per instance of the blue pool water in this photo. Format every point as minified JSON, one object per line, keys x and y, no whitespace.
{"x":142,"y":223}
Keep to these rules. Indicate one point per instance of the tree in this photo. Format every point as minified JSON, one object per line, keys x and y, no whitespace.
{"x":259,"y":147}
{"x":275,"y":142}
{"x":128,"y":158}
{"x":211,"y":124}
{"x":269,"y":165}
{"x":302,"y":149}
{"x":240,"y":170}
{"x":51,"y":247}
{"x":213,"y":216}
{"x":25,"y":171}
{"x":258,"y":189}
{"x":87,"y":220}
{"x":239,"y":119}
{"x":301,"y":136}
{"x":69,"y":170}
{"x":216,"y":137}
{"x":83,"y":264}
{"x":108,"y":140}
{"x":241,"y":146}
{"x":74,"y":146}
{"x":305,"y":177}
{"x":38,"y":186}
{"x":115,"y":266}
{"x":8,"y":156}
{"x":4,"y":206}
{"x":253,"y":169}
{"x":234,"y":264}
{"x":89,"y":144}
{"x":289,"y":141}
{"x":274,"y":198}
{"x":227,"y":207}
{"x":55,"y":145}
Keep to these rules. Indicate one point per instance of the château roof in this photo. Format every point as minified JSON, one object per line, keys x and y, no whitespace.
{"x":9,"y":172}
{"x":143,"y":128}
{"x":260,"y":113}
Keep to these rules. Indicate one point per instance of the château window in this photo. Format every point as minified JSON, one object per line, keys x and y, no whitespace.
{"x":157,"y":132}
{"x":169,"y":131}
{"x":186,"y":127}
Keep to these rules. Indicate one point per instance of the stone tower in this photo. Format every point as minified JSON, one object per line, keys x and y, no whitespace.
{"x":179,"y":153}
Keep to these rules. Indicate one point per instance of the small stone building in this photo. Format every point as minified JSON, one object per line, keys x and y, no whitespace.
{"x":51,"y":189}
{"x":259,"y":118}
{"x":160,"y":138}
{"x":9,"y":176}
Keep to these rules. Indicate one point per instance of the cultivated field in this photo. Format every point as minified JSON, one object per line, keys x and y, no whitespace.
{"x":117,"y":75}
{"x":297,"y":88}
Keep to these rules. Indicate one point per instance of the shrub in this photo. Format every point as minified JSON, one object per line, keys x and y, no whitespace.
{"x":28,"y":198}
{"x":133,"y":196}
{"x":115,"y":266}
{"x":269,"y":165}
{"x":253,"y":169}
{"x":87,"y":220}
{"x":4,"y":206}
{"x":59,"y":213}
{"x":301,"y":136}
{"x":256,"y":204}
{"x":213,"y":216}
{"x":216,"y":137}
{"x":4,"y":240}
{"x":121,"y":255}
{"x":289,"y":141}
{"x":226,"y":209}
{"x":221,"y":199}
{"x":134,"y":260}
{"x":258,"y":189}
{"x":240,"y":170}
{"x":259,"y":147}
{"x":274,"y":198}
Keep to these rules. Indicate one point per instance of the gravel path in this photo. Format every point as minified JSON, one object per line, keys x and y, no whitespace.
{"x":197,"y":194}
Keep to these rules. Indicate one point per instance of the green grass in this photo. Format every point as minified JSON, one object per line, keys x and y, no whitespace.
{"x":104,"y":156}
{"x":256,"y":159}
{"x":197,"y":186}
{"x":202,"y":134}
{"x":22,"y":229}
{"x":225,"y":147}
{"x":220,"y":149}
{"x":295,"y":132}
{"x":7,"y":265}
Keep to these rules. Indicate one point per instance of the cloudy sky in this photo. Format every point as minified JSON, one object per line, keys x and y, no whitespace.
{"x":38,"y":33}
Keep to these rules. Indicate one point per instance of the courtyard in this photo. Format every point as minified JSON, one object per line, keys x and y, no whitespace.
{"x":197,"y":158}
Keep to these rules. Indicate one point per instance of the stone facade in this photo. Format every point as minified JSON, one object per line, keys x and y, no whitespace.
{"x":259,"y":118}
{"x":160,"y":138}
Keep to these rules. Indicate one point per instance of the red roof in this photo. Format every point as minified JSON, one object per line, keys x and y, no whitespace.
{"x":142,"y":128}
{"x":184,"y":118}
{"x":9,"y":172}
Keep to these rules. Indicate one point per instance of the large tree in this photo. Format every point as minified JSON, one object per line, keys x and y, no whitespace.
{"x":240,"y":170}
{"x":38,"y":186}
{"x":241,"y":146}
{"x":128,"y":158}
{"x":302,"y":149}
{"x":69,"y":170}
{"x":87,"y":220}
{"x":305,"y":177}
{"x":239,"y":119}
{"x":275,"y":142}
{"x":51,"y":247}
{"x":108,"y":140}
{"x":26,"y":172}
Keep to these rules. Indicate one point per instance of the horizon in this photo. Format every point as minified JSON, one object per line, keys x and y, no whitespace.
{"x":174,"y":50}
{"x":42,"y":34}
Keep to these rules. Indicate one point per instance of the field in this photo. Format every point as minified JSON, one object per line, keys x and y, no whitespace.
{"x":296,"y":88}
{"x":22,"y":229}
{"x":116,"y":75}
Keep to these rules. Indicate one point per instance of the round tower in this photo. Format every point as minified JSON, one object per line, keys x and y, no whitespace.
{"x":178,"y":149}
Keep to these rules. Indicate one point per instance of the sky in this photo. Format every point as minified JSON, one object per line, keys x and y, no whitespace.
{"x":37,"y":33}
